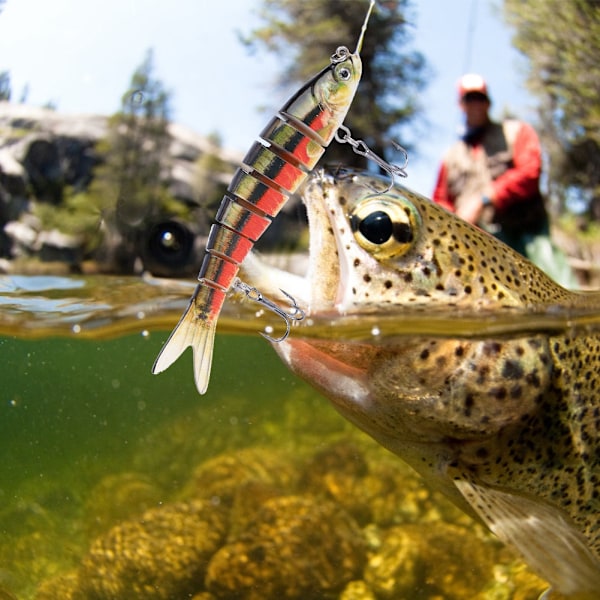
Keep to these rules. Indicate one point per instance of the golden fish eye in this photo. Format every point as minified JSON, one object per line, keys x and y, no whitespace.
{"x":385,"y":225}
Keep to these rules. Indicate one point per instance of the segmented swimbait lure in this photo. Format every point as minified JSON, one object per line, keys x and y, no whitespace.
{"x":279,"y":161}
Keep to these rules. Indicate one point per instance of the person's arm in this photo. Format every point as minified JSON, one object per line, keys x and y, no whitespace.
{"x":441,"y":194}
{"x":522,"y":180}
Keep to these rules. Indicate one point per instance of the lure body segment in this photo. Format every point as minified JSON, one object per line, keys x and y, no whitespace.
{"x":273,"y":169}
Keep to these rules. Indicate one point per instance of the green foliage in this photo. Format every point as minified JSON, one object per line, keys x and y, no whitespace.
{"x":78,"y":214}
{"x":561,"y":39}
{"x":305,"y":34}
{"x":128,"y":187}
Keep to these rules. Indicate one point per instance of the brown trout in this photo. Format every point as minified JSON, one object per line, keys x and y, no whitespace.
{"x":506,"y":426}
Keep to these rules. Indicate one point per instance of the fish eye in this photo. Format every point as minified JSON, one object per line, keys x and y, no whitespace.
{"x":385,"y":225}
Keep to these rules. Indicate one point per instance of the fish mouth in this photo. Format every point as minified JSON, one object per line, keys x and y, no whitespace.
{"x":329,"y":196}
{"x":325,"y":274}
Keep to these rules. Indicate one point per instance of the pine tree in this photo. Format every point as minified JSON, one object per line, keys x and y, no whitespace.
{"x":561,"y":41}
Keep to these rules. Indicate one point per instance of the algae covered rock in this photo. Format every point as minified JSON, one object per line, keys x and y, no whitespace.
{"x":297,"y":547}
{"x":429,"y":560}
{"x":357,"y":590}
{"x":119,"y":497}
{"x":65,"y":587}
{"x":220,"y":478}
{"x":160,"y":556}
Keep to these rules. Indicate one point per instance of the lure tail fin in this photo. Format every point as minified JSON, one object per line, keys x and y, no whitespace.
{"x":200,"y":335}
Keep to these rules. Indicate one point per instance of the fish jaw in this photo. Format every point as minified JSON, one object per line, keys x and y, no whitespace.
{"x":341,"y":373}
{"x":330,"y":272}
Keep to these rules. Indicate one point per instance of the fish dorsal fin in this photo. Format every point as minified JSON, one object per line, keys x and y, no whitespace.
{"x":542,"y":533}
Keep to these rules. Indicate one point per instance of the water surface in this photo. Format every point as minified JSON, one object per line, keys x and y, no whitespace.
{"x":90,"y":441}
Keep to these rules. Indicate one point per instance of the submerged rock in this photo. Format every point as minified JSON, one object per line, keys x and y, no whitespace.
{"x":357,"y":590}
{"x":65,"y":587}
{"x":119,"y":497}
{"x":219,"y":478}
{"x":430,"y":560}
{"x":161,"y":556}
{"x":297,"y":547}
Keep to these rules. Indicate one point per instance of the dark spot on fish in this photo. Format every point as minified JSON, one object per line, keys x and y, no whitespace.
{"x":482,"y":453}
{"x":512,"y":369}
{"x":367,"y":278}
{"x":516,"y":392}
{"x":424,"y":354}
{"x":407,"y":277}
{"x":469,"y":403}
{"x":356,"y":262}
{"x":492,"y":348}
{"x":459,"y":351}
{"x":387,"y":284}
{"x":533,"y":380}
{"x":499,"y":393}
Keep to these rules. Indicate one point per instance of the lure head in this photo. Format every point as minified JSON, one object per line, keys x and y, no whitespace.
{"x":323,"y":103}
{"x":336,"y":89}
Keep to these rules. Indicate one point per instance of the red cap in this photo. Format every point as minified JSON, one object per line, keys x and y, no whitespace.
{"x":472,"y":83}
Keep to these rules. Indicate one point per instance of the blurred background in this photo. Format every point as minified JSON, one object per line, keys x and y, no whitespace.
{"x":122,"y":123}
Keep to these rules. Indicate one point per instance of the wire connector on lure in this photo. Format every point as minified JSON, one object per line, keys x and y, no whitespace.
{"x":344,"y":136}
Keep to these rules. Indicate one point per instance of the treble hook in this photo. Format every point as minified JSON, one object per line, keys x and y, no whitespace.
{"x":360,"y":147}
{"x":297,"y":314}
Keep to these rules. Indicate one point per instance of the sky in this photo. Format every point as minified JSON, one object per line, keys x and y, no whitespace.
{"x":81,"y":55}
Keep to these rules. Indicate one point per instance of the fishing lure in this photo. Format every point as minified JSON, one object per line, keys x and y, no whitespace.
{"x":285,"y":152}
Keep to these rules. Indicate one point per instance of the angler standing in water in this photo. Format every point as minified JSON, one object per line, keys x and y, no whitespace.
{"x":490,"y":177}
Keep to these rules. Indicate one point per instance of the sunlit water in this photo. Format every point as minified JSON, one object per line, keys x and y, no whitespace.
{"x":90,"y":440}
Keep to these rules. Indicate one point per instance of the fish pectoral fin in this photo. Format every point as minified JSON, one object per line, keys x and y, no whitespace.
{"x":200,"y":335}
{"x":542,"y":533}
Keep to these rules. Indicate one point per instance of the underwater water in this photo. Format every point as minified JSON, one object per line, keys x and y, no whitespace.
{"x":117,"y":484}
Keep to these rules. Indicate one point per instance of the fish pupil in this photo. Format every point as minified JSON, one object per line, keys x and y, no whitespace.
{"x":376,"y":227}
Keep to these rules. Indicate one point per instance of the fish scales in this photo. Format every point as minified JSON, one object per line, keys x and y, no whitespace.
{"x":506,"y":426}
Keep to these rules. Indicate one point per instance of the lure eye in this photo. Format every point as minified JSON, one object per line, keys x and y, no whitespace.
{"x":385,"y":225}
{"x":343,"y":73}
